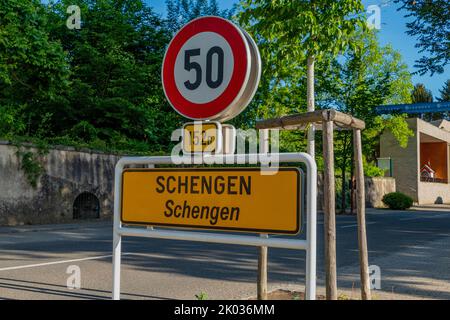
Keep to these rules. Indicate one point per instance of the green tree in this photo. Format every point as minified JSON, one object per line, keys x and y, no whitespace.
{"x":115,"y":60}
{"x":445,"y":92}
{"x":445,"y":97}
{"x":431,"y":26}
{"x":33,"y":69}
{"x":356,"y":83}
{"x":300,"y":33}
{"x":421,"y":94}
{"x":180,"y":12}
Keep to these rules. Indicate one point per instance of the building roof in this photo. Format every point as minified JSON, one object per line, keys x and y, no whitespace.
{"x":442,"y":124}
{"x":436,"y":130}
{"x":427,"y":168}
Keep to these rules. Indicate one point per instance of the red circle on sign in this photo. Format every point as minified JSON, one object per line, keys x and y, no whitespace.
{"x":238,"y":44}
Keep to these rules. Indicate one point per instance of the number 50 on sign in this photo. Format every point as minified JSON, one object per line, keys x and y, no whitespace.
{"x":211,"y":70}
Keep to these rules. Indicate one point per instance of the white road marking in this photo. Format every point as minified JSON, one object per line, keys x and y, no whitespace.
{"x":423,"y":217}
{"x":355,"y":225}
{"x":408,"y":219}
{"x":58,"y":262}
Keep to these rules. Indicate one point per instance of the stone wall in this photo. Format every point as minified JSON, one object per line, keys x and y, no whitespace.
{"x":376,"y":188}
{"x":67,"y":174}
{"x":434,"y":193}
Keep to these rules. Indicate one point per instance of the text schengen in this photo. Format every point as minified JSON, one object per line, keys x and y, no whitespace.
{"x":235,"y":199}
{"x":203,"y":185}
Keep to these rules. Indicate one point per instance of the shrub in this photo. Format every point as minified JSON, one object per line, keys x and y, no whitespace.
{"x":83,"y":131}
{"x":397,"y":201}
{"x":370,"y":170}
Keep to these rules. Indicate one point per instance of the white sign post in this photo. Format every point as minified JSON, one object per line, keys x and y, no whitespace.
{"x":309,"y":244}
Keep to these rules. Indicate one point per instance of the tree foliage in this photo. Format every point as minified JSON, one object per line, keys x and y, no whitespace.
{"x":421,"y":94}
{"x":100,"y":85}
{"x":445,"y":92}
{"x":304,"y":28}
{"x":115,"y":59}
{"x":180,"y":12}
{"x":431,"y":26}
{"x":33,"y":68}
{"x":287,"y":33}
{"x":356,"y":83}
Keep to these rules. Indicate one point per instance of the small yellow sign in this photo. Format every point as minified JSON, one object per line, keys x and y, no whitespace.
{"x":236,"y":199}
{"x":202,"y":137}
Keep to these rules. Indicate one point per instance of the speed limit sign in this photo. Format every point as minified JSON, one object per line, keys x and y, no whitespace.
{"x":211,"y":70}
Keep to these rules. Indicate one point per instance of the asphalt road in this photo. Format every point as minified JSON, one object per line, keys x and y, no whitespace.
{"x":34,"y":259}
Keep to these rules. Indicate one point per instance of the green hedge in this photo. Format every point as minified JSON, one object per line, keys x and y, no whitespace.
{"x":397,"y":201}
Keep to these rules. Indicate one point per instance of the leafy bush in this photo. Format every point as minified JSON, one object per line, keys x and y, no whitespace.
{"x":83,"y":131}
{"x":11,"y":123}
{"x":397,"y":201}
{"x":371,"y":170}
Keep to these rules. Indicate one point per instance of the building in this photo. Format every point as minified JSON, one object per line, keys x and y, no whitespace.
{"x":422,"y":169}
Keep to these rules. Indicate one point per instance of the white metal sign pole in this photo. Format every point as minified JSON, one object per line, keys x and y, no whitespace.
{"x":263,"y":251}
{"x":117,"y":237}
{"x":311,"y":227}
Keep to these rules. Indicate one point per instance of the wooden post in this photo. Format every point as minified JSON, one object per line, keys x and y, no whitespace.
{"x":361,"y":215}
{"x":262,"y":272}
{"x":329,"y":211}
{"x":352,"y":180}
{"x":261,"y":287}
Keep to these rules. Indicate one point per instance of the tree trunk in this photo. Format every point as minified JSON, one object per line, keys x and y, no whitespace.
{"x":352,"y":181}
{"x":343,"y":172}
{"x":310,"y":103}
{"x":344,"y":188}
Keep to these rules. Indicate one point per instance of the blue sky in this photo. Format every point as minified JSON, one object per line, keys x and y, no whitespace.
{"x":392,"y":31}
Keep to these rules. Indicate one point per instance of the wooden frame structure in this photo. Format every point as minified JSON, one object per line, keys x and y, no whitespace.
{"x":329,"y":120}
